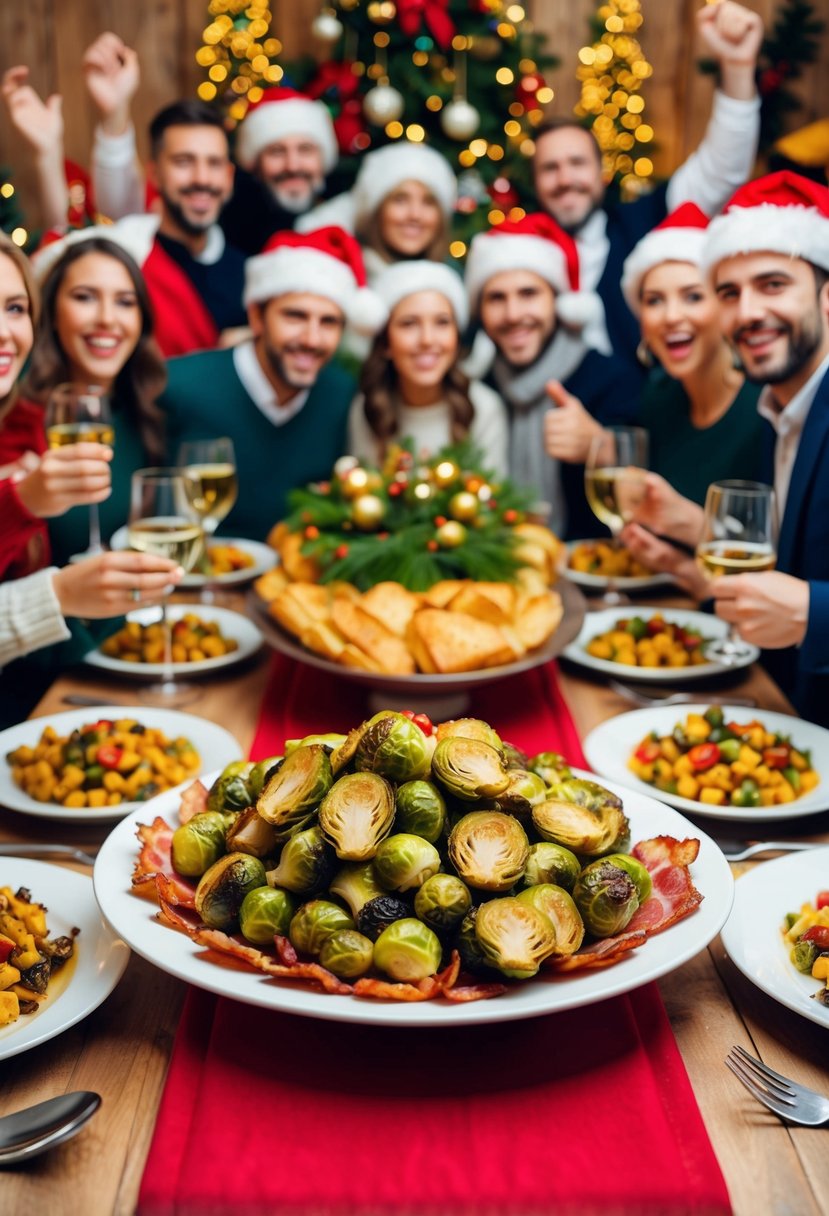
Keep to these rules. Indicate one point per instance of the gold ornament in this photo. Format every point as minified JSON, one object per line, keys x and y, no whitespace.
{"x":344,"y":465}
{"x":420,"y":491}
{"x":367,"y":512}
{"x":355,"y":482}
{"x":463,"y":506}
{"x":446,"y":473}
{"x":451,"y":534}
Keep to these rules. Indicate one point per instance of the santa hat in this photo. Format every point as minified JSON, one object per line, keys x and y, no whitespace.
{"x":538,"y":244}
{"x":780,"y":213}
{"x":404,"y":279}
{"x":281,"y":112}
{"x":326,"y":263}
{"x":382,"y":171}
{"x":679,"y":238}
{"x":135,"y":234}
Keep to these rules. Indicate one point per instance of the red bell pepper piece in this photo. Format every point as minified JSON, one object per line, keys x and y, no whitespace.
{"x":777,"y":756}
{"x":822,"y":900}
{"x":704,"y":755}
{"x":648,"y":751}
{"x":109,"y":755}
{"x":819,"y":935}
{"x":6,"y":947}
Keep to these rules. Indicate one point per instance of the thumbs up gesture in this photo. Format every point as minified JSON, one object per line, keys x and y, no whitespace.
{"x":568,"y":427}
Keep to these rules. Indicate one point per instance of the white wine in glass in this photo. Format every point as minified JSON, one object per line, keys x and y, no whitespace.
{"x":739,"y":536}
{"x":210,"y":466}
{"x":614,"y":482}
{"x":80,"y":413}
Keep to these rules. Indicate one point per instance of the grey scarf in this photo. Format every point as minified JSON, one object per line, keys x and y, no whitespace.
{"x":523,"y":391}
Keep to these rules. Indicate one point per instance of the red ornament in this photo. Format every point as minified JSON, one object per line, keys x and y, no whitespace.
{"x":432,"y":546}
{"x":770,"y":81}
{"x":434,"y":13}
{"x":311,"y":532}
{"x":340,"y":552}
{"x":382,"y":536}
{"x":527,"y":88}
{"x":503,"y":194}
{"x":396,"y":489}
{"x":510,"y":516}
{"x":350,"y":128}
{"x":440,"y":520}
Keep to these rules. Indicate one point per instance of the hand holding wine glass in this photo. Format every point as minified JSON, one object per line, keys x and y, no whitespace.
{"x":615,"y":482}
{"x":80,"y":414}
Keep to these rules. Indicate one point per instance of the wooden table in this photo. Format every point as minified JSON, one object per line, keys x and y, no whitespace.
{"x":122,"y":1050}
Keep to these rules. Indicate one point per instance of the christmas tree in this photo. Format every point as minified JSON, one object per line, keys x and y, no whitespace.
{"x":11,"y":217}
{"x":612,"y":71}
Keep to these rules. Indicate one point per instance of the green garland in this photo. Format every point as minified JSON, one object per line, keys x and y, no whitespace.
{"x":411,"y":523}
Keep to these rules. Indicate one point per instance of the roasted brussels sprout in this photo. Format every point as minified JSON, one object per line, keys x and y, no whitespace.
{"x":377,"y":914}
{"x":489,"y":850}
{"x":314,"y":922}
{"x":469,"y":728}
{"x":296,"y":788}
{"x":559,"y":908}
{"x":347,"y":953}
{"x":344,"y":754}
{"x":259,"y":774}
{"x":230,"y":791}
{"x":468,"y":947}
{"x":407,"y":950}
{"x":469,"y":769}
{"x":305,"y":864}
{"x":356,"y":883}
{"x":393,"y":747}
{"x":582,"y":816}
{"x":420,"y":809}
{"x":514,"y":936}
{"x":356,"y":814}
{"x":525,"y":790}
{"x":198,"y":843}
{"x":403,"y":861}
{"x":251,"y":834}
{"x":551,"y":767}
{"x":514,"y":756}
{"x":223,"y":887}
{"x":606,"y":897}
{"x":265,"y":911}
{"x":550,"y":862}
{"x":639,"y":873}
{"x":442,"y":902}
{"x":330,"y":742}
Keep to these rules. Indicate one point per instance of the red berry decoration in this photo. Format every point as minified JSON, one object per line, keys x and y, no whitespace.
{"x":440,"y":520}
{"x":421,"y":720}
{"x":312,"y":532}
{"x":396,"y":489}
{"x":432,"y":546}
{"x":510,"y":516}
{"x":341,"y":551}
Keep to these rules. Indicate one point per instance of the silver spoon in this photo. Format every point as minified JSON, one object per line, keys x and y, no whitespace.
{"x":33,"y":1130}
{"x":82,"y":698}
{"x":677,"y":698}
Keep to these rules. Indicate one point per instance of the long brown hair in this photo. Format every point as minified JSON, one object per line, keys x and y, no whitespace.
{"x":368,"y":234}
{"x":379,"y":386}
{"x":143,"y":376}
{"x":19,"y":259}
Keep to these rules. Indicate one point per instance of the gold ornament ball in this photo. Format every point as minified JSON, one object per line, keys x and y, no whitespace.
{"x":446,"y":473}
{"x":463,"y":506}
{"x":451,"y":534}
{"x":420,"y":491}
{"x":367,"y":512}
{"x":344,"y":465}
{"x":355,"y":482}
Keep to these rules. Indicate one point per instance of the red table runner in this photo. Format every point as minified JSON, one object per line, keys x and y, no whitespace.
{"x":584,"y":1112}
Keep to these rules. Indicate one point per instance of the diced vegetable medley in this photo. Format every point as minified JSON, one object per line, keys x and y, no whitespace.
{"x":719,"y":763}
{"x":807,"y":933}
{"x":193,"y":641}
{"x":28,"y":958}
{"x":103,"y":764}
{"x":606,"y":559}
{"x":655,"y":642}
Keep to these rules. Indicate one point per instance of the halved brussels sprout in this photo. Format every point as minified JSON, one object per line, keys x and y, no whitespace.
{"x":198,"y":843}
{"x":330,"y":742}
{"x":344,"y":754}
{"x":265,"y":911}
{"x":305,"y":864}
{"x":606,"y":898}
{"x":525,"y":790}
{"x":356,"y":814}
{"x":347,"y":953}
{"x":259,"y":774}
{"x":251,"y":834}
{"x":514,"y":756}
{"x":553,"y":863}
{"x":420,"y":809}
{"x":356,"y":883}
{"x":468,"y":947}
{"x":489,"y":850}
{"x":514,"y":936}
{"x":582,"y":816}
{"x":469,"y":769}
{"x":639,"y":873}
{"x":297,"y":787}
{"x":403,"y":861}
{"x":551,"y":767}
{"x":378,"y":913}
{"x":393,"y":747}
{"x":469,"y":728}
{"x":222,"y":889}
{"x":230,"y":791}
{"x":408,"y":950}
{"x":558,"y":906}
{"x":442,"y":902}
{"x":313,"y":924}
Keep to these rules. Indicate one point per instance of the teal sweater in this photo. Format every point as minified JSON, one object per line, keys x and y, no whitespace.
{"x":205,"y":399}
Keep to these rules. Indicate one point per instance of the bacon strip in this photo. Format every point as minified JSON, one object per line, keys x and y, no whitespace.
{"x":154,"y":862}
{"x":474,"y":992}
{"x":193,"y":801}
{"x":598,"y":954}
{"x":674,"y":895}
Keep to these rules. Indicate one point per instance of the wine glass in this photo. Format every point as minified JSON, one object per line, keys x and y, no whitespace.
{"x":739,"y":535}
{"x":80,"y":413}
{"x":614,"y":482}
{"x":212,"y":487}
{"x":162,"y":521}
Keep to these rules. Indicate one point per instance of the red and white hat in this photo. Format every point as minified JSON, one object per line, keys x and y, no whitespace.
{"x":281,"y":112}
{"x":135,"y":234}
{"x":679,"y":238}
{"x":538,"y":244}
{"x":327,"y":262}
{"x":779,"y":213}
{"x":402,"y":279}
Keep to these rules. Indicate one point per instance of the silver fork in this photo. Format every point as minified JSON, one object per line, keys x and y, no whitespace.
{"x":21,"y":848}
{"x":740,"y":850}
{"x":792,"y":1102}
{"x":677,"y":698}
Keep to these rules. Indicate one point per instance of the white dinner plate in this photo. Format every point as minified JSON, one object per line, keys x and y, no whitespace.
{"x":610,"y":745}
{"x":752,"y":933}
{"x":134,"y":917}
{"x":599,"y":582}
{"x":215,"y":745}
{"x":100,"y":955}
{"x":264,"y":558}
{"x":710,"y":627}
{"x":231,"y":625}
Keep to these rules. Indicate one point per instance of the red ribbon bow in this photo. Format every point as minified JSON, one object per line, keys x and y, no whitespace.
{"x":433,"y":12}
{"x":333,"y":75}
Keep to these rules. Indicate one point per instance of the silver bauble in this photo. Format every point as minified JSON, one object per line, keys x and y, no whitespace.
{"x":382,"y":105}
{"x":326,"y":27}
{"x":459,"y":119}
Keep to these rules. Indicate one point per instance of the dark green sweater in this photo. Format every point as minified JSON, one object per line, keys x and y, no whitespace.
{"x":205,"y":399}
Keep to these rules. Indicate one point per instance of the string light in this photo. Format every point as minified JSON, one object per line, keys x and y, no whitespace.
{"x":238,"y":30}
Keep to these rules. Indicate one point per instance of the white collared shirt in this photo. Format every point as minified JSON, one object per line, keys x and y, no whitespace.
{"x":259,"y":388}
{"x":788,"y":424}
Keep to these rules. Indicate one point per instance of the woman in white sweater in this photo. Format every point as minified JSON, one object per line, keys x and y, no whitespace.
{"x":411,"y":384}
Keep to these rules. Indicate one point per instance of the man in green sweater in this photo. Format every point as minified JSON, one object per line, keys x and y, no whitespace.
{"x":278,"y":396}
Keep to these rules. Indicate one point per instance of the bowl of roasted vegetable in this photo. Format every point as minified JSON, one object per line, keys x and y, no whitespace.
{"x":412,"y":873}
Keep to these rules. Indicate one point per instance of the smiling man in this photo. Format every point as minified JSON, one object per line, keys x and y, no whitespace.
{"x":278,"y":396}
